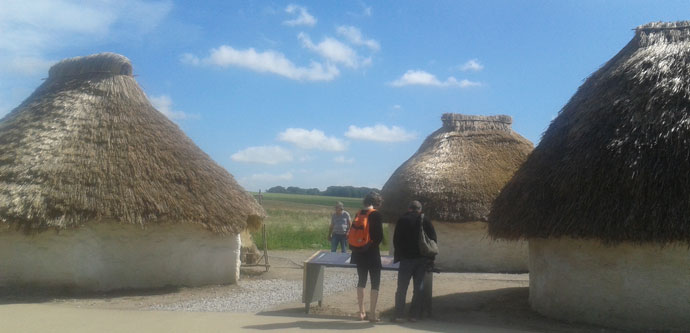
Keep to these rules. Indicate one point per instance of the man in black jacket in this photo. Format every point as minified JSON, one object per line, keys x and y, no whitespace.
{"x":412,"y":263}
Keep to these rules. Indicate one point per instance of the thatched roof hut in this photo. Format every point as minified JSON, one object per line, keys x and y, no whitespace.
{"x":88,"y":145}
{"x":459,"y":169}
{"x":611,"y":174}
{"x":456,"y":174}
{"x":87,"y":148}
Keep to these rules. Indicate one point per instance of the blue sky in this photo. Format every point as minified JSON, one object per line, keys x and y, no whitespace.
{"x":319,"y":93}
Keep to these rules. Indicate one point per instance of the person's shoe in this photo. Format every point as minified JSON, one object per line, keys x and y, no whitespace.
{"x":397,"y":320}
{"x":412,"y":319}
{"x":372,"y":319}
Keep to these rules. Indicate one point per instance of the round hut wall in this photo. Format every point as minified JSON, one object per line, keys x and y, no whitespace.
{"x":109,"y":256}
{"x":603,"y":284}
{"x":467,"y":247}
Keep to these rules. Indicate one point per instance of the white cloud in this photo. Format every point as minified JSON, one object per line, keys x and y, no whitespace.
{"x":472,"y":65}
{"x":415,"y":77}
{"x":306,"y":158}
{"x":354,"y":36}
{"x":268,"y":177}
{"x":422,"y":78}
{"x":263,"y":155}
{"x":264,"y":180}
{"x":343,"y":160}
{"x":30,"y":29}
{"x":303,"y":16}
{"x":190,"y":59}
{"x":163,"y":103}
{"x":380,"y":133}
{"x":468,"y":83}
{"x":366,"y":12}
{"x":314,"y":139}
{"x":25,"y":66}
{"x":263,"y":62}
{"x":332,"y":50}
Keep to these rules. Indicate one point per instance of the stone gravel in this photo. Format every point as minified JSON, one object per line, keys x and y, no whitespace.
{"x":260,"y":295}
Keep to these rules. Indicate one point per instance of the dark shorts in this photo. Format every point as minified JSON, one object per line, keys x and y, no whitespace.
{"x":374,"y":275}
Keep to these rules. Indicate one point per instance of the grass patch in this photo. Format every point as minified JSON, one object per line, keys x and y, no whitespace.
{"x":318,"y":200}
{"x":294,"y":237}
{"x":296,"y":222}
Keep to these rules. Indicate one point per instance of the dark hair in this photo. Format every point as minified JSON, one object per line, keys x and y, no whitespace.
{"x":415,"y":206}
{"x":372,"y":199}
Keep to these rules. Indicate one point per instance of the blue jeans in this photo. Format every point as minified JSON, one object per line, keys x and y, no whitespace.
{"x":415,"y":269}
{"x":339,"y":239}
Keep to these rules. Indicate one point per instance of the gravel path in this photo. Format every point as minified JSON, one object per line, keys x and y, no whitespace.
{"x":255,"y":295}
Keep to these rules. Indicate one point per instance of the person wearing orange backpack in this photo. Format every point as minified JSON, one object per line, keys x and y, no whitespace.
{"x":364,"y":237}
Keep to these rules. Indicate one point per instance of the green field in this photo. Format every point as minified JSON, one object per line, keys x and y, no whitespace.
{"x":296,"y":221}
{"x":316,"y":200}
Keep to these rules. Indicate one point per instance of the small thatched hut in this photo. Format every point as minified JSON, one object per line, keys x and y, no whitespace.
{"x":100,"y":191}
{"x":604,"y":200}
{"x":456,"y":174}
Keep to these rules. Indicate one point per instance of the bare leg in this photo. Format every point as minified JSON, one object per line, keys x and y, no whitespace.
{"x":360,"y":302}
{"x":374,"y":299}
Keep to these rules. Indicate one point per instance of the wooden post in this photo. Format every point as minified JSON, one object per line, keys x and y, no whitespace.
{"x":263,"y":227}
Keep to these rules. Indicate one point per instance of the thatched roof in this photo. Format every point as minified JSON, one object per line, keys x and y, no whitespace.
{"x":87,"y":146}
{"x":458,"y":170}
{"x":614,"y":164}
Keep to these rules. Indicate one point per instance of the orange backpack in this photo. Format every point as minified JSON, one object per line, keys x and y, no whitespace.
{"x":358,"y":237}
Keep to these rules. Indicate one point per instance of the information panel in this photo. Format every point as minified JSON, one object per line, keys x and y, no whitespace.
{"x":337,"y":259}
{"x":312,"y":282}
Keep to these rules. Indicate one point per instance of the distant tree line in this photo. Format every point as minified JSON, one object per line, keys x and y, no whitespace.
{"x":331,"y":191}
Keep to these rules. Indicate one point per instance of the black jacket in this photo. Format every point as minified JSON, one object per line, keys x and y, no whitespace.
{"x":406,"y":236}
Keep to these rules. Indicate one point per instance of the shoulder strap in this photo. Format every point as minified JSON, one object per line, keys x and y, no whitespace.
{"x":368,"y":211}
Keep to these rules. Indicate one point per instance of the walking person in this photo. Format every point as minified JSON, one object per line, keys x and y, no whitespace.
{"x":412,"y":263}
{"x":340,"y":225}
{"x":366,"y":233}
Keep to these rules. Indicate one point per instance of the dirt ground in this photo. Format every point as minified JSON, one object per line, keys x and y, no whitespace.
{"x":491,"y":301}
{"x":498,"y":301}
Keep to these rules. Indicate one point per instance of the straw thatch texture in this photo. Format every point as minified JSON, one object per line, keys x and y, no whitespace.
{"x":614,"y":164}
{"x":88,"y":146}
{"x":458,"y":170}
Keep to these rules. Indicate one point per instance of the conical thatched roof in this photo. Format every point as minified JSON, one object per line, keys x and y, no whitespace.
{"x":614,"y":164}
{"x":87,"y":146}
{"x":458,"y":170}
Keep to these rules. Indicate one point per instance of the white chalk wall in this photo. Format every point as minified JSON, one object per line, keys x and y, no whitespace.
{"x":109,"y":256}
{"x":626,"y":286}
{"x":467,"y":247}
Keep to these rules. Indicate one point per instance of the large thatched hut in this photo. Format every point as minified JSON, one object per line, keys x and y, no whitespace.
{"x":100,"y":191}
{"x":604,"y":200}
{"x":456,"y":174}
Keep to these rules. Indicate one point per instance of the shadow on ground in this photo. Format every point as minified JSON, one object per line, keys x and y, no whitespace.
{"x":32,"y":295}
{"x":339,"y":325}
{"x":498,"y":309}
